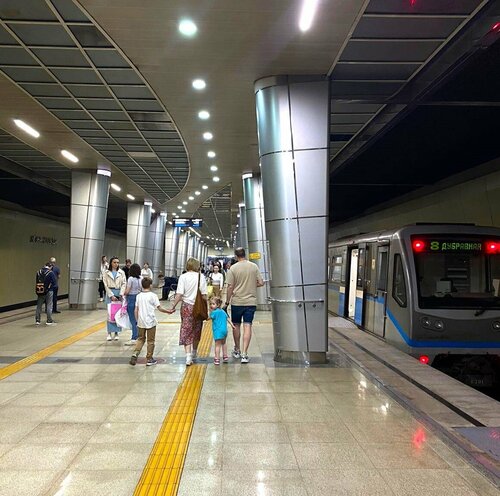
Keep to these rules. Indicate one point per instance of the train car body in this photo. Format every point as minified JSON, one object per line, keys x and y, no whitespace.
{"x":430,"y":290}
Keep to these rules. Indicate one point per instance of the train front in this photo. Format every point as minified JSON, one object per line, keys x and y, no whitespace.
{"x":456,"y":318}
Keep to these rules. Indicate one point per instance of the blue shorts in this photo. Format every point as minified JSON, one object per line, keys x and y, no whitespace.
{"x":245,"y":313}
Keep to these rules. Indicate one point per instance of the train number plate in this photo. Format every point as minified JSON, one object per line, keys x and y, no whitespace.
{"x":479,"y":380}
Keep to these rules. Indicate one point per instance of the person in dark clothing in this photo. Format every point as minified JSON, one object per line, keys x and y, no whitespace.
{"x":126,"y":268}
{"x":44,"y":284}
{"x":57,"y":272}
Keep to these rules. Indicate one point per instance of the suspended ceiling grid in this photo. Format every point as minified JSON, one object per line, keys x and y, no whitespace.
{"x":216,"y":215}
{"x":392,"y":41}
{"x":55,"y":53}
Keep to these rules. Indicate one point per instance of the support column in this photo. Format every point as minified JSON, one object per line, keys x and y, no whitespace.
{"x":180,"y":252}
{"x":256,"y":232}
{"x":138,"y":221}
{"x":89,"y":208}
{"x":171,"y":250}
{"x":199,"y":253}
{"x":243,"y":226}
{"x":156,"y":244}
{"x":185,"y":253}
{"x":293,"y":129}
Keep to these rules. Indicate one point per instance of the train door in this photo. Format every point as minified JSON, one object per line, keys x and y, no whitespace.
{"x":353,"y":276}
{"x":381,"y":290}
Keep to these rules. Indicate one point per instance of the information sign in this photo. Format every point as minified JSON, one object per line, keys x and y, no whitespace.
{"x":196,"y":223}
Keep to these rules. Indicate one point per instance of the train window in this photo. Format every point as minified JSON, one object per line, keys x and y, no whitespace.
{"x":398,"y":282}
{"x":344,"y":265}
{"x":336,"y":268}
{"x":383,"y":256}
{"x":361,"y":268}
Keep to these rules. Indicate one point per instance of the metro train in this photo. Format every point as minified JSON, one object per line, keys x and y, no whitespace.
{"x":431,"y":290}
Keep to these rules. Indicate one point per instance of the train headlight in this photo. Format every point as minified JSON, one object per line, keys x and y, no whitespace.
{"x":496,"y":325}
{"x":426,"y":322}
{"x":439,"y":324}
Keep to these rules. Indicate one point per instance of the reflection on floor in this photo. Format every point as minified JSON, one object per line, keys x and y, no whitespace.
{"x":83,"y":422}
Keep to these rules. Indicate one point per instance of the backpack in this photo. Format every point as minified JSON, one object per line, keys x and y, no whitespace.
{"x":40,"y":282}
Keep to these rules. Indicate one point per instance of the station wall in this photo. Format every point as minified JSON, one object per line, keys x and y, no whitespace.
{"x":26,"y":243}
{"x":475,"y":201}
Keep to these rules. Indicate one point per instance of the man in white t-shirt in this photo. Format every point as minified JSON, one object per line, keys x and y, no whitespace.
{"x":145,"y":305}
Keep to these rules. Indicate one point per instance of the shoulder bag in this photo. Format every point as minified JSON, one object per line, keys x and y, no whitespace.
{"x":200,"y":310}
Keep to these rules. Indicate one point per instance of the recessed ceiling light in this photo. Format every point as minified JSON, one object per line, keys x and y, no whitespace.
{"x":199,"y":84}
{"x":204,"y":186}
{"x":215,"y":179}
{"x":115,"y":187}
{"x":27,"y":129}
{"x":130,"y":197}
{"x":307,"y":14}
{"x":197,"y":193}
{"x":183,"y":211}
{"x":211,"y":154}
{"x":179,"y":207}
{"x":187,"y":27}
{"x":69,"y":156}
{"x":153,"y":211}
{"x":191,"y":198}
{"x":213,"y":168}
{"x":204,"y":115}
{"x":184,"y":202}
{"x":207,"y":136}
{"x":238,"y":215}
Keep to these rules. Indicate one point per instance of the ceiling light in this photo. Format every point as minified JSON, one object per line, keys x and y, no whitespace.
{"x":153,"y":211}
{"x":104,"y":172}
{"x":197,"y":193}
{"x":69,"y":156}
{"x":187,"y":27}
{"x":204,"y":115}
{"x":148,"y":204}
{"x":213,"y":168}
{"x":191,"y":198}
{"x":211,"y":154}
{"x":247,"y":175}
{"x":307,"y":14}
{"x":183,"y":211}
{"x":27,"y":129}
{"x":179,"y":207}
{"x":238,"y":215}
{"x":130,"y":197}
{"x":184,"y":202}
{"x":207,"y":136}
{"x":215,"y":179}
{"x":199,"y":84}
{"x":115,"y":187}
{"x":204,"y":186}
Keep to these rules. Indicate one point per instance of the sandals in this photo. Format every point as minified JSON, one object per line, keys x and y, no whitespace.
{"x":216,"y":361}
{"x":225,"y":359}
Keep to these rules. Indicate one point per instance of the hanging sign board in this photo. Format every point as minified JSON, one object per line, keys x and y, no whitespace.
{"x":196,"y":223}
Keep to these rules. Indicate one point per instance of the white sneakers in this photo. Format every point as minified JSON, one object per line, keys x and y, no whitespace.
{"x":132,"y":342}
{"x":109,"y":338}
{"x":116,"y":336}
{"x":101,"y":299}
{"x":189,"y":359}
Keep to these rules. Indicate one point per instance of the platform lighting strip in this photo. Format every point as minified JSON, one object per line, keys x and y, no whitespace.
{"x":162,"y":474}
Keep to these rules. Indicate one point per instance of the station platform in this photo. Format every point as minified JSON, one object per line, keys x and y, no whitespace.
{"x":77,"y":419}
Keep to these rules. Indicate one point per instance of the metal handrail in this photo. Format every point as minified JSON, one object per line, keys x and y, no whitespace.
{"x":275,"y":300}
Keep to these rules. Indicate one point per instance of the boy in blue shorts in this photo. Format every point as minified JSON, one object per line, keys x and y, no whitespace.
{"x":219,"y":329}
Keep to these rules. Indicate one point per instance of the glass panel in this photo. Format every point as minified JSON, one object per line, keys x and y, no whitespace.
{"x":382,"y":270}
{"x":398,"y":283}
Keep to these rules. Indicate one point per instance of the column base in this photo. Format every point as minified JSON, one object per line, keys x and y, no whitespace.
{"x":300,"y":357}
{"x":83,"y":306}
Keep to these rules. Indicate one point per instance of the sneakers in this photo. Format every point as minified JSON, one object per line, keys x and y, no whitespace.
{"x":116,"y":336}
{"x":151,"y":361}
{"x":236,"y":353}
{"x":132,"y":342}
{"x":189,"y":359}
{"x":216,"y":361}
{"x":50,"y":323}
{"x":100,"y":299}
{"x":37,"y":323}
{"x":109,"y":338}
{"x":133,"y":360}
{"x":225,"y":359}
{"x":244,"y":358}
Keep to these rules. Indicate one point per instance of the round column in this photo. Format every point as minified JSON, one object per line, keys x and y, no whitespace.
{"x":156,"y":244}
{"x":243,"y":227}
{"x":138,"y":222}
{"x":171,"y":250}
{"x":293,"y":129}
{"x":89,"y":208}
{"x":255,"y":230}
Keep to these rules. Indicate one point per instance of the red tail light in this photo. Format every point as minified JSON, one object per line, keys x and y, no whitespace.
{"x":492,"y":247}
{"x":418,"y":245}
{"x":424,"y":359}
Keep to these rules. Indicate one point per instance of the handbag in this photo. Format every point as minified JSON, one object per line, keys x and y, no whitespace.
{"x":200,"y":310}
{"x":121,"y":317}
{"x":113,"y":308}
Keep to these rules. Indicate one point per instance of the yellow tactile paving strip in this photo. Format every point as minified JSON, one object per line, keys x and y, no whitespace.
{"x":40,"y":355}
{"x":163,"y":470}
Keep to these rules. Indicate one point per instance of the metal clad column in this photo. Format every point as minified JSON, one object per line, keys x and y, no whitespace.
{"x":243,"y":226}
{"x":293,"y":127}
{"x":185,"y":256}
{"x":255,"y":229}
{"x":180,"y":252}
{"x":157,"y":238}
{"x":89,"y":208}
{"x":171,"y":250}
{"x":138,"y":221}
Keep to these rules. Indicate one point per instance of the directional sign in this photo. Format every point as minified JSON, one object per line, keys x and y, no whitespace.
{"x":196,"y":223}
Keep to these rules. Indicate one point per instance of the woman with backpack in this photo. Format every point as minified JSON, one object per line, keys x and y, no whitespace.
{"x":115,"y":282}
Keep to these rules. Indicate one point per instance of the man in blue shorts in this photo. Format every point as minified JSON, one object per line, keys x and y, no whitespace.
{"x":243,"y":279}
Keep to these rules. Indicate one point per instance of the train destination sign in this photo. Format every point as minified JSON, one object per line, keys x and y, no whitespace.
{"x":454,"y":245}
{"x":196,"y":223}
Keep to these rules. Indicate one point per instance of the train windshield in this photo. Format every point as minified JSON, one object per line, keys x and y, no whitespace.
{"x":457,"y":271}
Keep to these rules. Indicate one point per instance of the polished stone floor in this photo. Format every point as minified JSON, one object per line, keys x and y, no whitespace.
{"x":83,"y":421}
